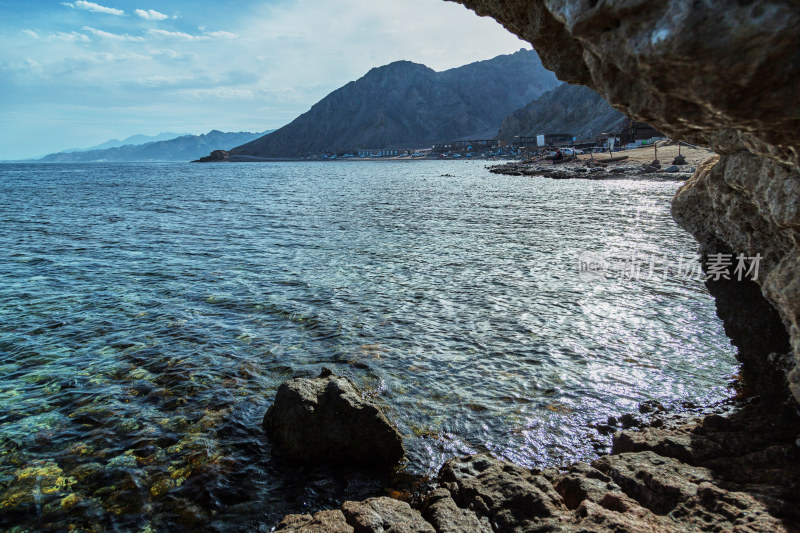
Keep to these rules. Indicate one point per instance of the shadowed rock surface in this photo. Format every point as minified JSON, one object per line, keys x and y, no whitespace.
{"x":737,"y":472}
{"x":566,"y":109}
{"x":376,"y":515}
{"x":328,"y":419}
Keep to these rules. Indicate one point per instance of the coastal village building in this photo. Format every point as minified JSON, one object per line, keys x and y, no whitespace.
{"x":636,"y":133}
{"x":380,"y":153}
{"x":547,"y":139}
{"x":471,"y":145}
{"x":607,"y":140}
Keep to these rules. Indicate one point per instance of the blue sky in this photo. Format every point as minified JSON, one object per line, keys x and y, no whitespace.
{"x":75,"y":74}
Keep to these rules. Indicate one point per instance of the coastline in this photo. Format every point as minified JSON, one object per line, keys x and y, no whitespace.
{"x":731,"y":468}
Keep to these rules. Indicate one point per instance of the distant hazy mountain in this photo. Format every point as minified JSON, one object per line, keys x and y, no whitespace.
{"x":133,"y":139}
{"x":566,"y":109}
{"x":408,"y":105}
{"x":185,"y":148}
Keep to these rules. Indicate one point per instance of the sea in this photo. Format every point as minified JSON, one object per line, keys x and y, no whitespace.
{"x":149,"y":312}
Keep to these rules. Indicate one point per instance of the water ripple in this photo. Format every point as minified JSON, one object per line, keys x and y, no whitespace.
{"x":149,"y":312}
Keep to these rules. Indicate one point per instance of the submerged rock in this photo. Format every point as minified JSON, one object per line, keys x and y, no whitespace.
{"x":327,"y":419}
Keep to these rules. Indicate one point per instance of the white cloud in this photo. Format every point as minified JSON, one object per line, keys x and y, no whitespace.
{"x":151,"y":14}
{"x":94,"y":8}
{"x":272,"y":62}
{"x":26,"y":64}
{"x":106,"y":57}
{"x":181,"y":36}
{"x":172,"y":54}
{"x":222,"y":35}
{"x":225,"y":93}
{"x":30,"y":33}
{"x":113,"y":36}
{"x":162,"y":81}
{"x":71,"y":37}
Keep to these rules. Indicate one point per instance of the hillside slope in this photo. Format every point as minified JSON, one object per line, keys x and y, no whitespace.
{"x":407,"y":105}
{"x":571,"y":109}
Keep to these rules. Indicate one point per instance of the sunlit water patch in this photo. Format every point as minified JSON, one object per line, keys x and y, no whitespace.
{"x":148,"y":314}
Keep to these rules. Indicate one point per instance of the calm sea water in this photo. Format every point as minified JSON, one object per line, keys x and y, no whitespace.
{"x":149,"y":312}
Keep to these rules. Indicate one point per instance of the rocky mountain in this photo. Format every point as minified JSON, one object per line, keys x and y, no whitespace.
{"x":571,"y":109}
{"x":185,"y":148}
{"x":408,"y":105}
{"x":133,"y":139}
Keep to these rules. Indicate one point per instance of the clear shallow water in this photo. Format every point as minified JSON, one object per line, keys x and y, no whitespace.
{"x":149,"y":312}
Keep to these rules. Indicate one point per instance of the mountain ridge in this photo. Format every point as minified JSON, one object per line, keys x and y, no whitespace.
{"x":183,"y":148}
{"x":409,"y":105}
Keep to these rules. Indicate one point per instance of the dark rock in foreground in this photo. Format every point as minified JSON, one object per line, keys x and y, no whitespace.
{"x":327,"y":419}
{"x":722,"y":473}
{"x":375,"y":515}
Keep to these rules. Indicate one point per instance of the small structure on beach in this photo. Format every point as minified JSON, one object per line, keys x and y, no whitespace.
{"x":467,"y":145}
{"x":380,"y":153}
{"x":546,"y":139}
{"x":638,"y":133}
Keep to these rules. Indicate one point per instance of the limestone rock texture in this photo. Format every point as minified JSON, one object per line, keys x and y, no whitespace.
{"x":722,"y":73}
{"x":328,"y":419}
{"x":729,"y":472}
{"x":375,"y":515}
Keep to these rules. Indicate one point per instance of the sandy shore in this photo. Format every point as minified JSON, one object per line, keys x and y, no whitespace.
{"x":637,"y":164}
{"x":666,"y":154}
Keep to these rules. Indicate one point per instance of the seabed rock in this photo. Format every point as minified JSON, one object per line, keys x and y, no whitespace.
{"x":327,"y":419}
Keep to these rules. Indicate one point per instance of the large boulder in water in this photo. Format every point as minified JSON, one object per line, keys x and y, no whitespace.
{"x":327,"y":419}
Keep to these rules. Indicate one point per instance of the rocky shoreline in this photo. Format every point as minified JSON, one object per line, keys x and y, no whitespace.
{"x":595,"y":169}
{"x":716,"y":74}
{"x":735,"y":469}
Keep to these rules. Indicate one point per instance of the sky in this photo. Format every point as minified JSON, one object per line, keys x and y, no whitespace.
{"x":76,"y":74}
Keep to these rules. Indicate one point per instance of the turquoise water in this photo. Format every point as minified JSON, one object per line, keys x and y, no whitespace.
{"x":148,"y":313}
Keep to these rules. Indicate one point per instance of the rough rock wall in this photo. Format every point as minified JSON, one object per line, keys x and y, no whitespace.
{"x":725,"y":73}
